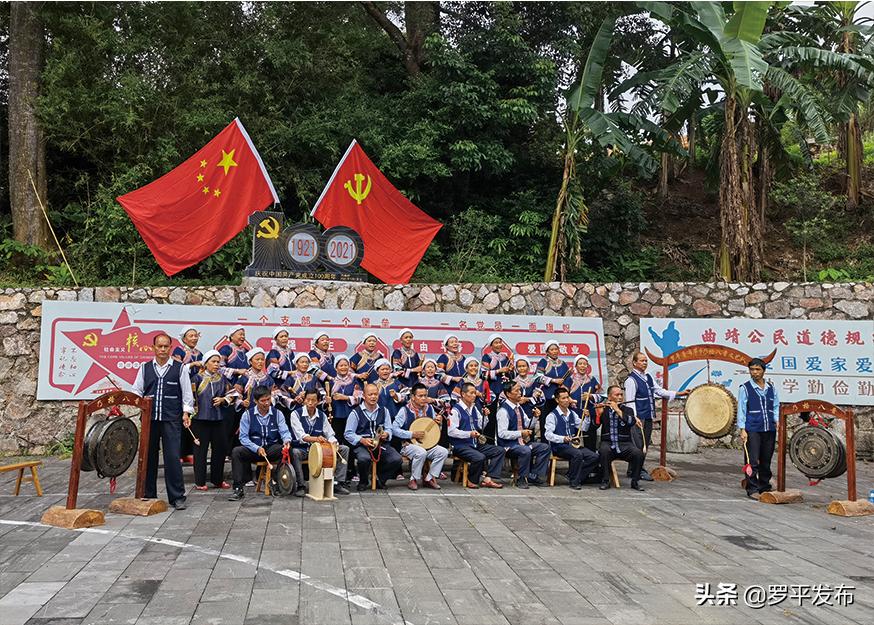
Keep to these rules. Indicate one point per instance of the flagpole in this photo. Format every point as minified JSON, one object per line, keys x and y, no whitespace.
{"x":333,"y":175}
{"x":48,"y":221}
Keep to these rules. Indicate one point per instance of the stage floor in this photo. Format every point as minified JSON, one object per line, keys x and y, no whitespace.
{"x":535,"y":557}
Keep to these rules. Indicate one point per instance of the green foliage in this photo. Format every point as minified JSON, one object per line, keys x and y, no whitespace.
{"x":61,"y":447}
{"x":618,"y":213}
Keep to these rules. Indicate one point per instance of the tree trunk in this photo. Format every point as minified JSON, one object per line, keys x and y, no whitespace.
{"x":420,"y":20}
{"x":26,"y":148}
{"x":853,"y":137}
{"x":663,"y":175}
{"x":690,"y":136}
{"x":740,"y":248}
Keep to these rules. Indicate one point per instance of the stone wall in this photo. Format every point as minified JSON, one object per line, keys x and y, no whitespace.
{"x":27,"y":424}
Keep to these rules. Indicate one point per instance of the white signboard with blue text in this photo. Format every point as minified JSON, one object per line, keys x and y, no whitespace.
{"x":829,"y":360}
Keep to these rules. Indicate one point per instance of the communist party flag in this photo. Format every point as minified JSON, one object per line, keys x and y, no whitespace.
{"x":192,"y":211}
{"x":395,"y":232}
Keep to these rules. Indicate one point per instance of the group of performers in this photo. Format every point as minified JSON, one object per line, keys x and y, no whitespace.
{"x":253,"y":405}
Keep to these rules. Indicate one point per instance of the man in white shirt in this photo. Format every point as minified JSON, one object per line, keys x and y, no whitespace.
{"x":561,"y":427}
{"x":418,"y":408}
{"x":310,"y":425}
{"x":466,"y":424}
{"x":532,"y":457}
{"x":642,"y":388}
{"x":368,"y":430}
{"x":168,"y":383}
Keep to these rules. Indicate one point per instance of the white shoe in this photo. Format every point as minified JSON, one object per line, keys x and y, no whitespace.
{"x":250,"y":484}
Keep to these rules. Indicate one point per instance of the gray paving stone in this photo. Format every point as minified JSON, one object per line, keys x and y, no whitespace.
{"x":114,"y":614}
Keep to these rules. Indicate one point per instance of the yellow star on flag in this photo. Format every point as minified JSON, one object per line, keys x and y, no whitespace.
{"x":203,"y":163}
{"x":227,"y":160}
{"x":217,"y":192}
{"x":199,"y":177}
{"x":205,"y":190}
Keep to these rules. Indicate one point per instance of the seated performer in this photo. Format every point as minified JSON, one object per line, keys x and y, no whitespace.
{"x":533,"y":398}
{"x":280,"y":356}
{"x":561,"y":426}
{"x":758,"y":412}
{"x":310,"y":425}
{"x":368,"y":429}
{"x":168,"y":383}
{"x":617,"y":420}
{"x":213,"y":395}
{"x":363,"y":360}
{"x":263,"y":434}
{"x":642,"y":388}
{"x":187,"y":353}
{"x":392,"y":394}
{"x":465,"y":427}
{"x":451,"y":362}
{"x":418,"y":408}
{"x":515,"y":434}
{"x":407,"y":358}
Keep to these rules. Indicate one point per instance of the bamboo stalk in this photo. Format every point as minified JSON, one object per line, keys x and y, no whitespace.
{"x":48,"y":221}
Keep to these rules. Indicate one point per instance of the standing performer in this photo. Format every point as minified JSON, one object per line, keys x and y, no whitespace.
{"x":391,"y":392}
{"x":322,"y":357}
{"x":618,"y":419}
{"x":435,"y":381}
{"x":643,"y":389}
{"x":168,"y":383}
{"x":554,"y":371}
{"x":256,"y":375}
{"x":515,"y":434}
{"x":472,"y":376}
{"x":562,"y":425}
{"x":451,"y":361}
{"x":465,"y":427}
{"x":581,"y":383}
{"x":280,"y":356}
{"x":407,"y":359}
{"x":532,"y":394}
{"x":263,"y":435}
{"x":368,"y":429}
{"x":346,"y":393}
{"x":187,"y":353}
{"x":297,"y":382}
{"x":416,"y":409}
{"x":310,"y":425}
{"x":234,"y":361}
{"x":758,"y":412}
{"x":363,"y":360}
{"x":497,"y":363}
{"x":213,"y":394}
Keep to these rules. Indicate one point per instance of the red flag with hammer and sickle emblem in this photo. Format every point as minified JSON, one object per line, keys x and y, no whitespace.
{"x":395,"y":232}
{"x":191,"y":211}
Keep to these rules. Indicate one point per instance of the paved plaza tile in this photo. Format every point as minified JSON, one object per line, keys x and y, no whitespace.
{"x":454,"y":557}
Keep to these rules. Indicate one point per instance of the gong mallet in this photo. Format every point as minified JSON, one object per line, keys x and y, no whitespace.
{"x":193,"y":437}
{"x":263,"y":454}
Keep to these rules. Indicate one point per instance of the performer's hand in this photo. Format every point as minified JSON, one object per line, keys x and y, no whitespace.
{"x":321,"y":439}
{"x":486,"y":411}
{"x":567,"y":439}
{"x":240,"y":371}
{"x":438,"y":419}
{"x":262,"y":452}
{"x":527,"y":432}
{"x":744,"y":436}
{"x":418,"y":435}
{"x":637,"y":422}
{"x":474,"y":434}
{"x":367,"y":441}
{"x":416,"y":369}
{"x":217,"y":401}
{"x":246,"y":403}
{"x":574,"y":403}
{"x":186,"y":420}
{"x":393,"y":394}
{"x":536,"y":412}
{"x":286,"y":445}
{"x":586,"y":396}
{"x":383,"y":436}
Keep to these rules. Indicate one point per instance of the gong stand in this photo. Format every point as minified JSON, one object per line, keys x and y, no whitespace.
{"x":705,"y":351}
{"x":69,"y":516}
{"x":850,"y":506}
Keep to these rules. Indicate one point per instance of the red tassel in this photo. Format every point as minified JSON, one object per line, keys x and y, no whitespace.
{"x":112,"y":484}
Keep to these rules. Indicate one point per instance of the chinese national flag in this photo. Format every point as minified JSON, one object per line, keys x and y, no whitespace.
{"x":394,"y":231}
{"x":190,"y":212}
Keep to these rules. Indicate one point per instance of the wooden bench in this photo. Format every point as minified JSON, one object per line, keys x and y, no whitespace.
{"x":553,"y":461}
{"x":21,"y":466}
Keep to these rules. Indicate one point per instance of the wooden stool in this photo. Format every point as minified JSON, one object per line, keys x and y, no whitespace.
{"x":514,"y":471}
{"x":263,"y":478}
{"x":460,"y":470}
{"x":372,"y":475}
{"x":553,"y":461}
{"x":21,"y":466}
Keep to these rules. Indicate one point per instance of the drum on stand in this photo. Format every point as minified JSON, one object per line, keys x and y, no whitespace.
{"x":710,"y":410}
{"x":321,"y":460}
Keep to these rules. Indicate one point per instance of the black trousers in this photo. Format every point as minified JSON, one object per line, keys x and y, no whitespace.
{"x":760,"y":446}
{"x":477,"y":457}
{"x":339,"y":427}
{"x":628,"y":452}
{"x":213,"y":437}
{"x":581,"y":461}
{"x":243,"y":457}
{"x":532,"y":459}
{"x":388,"y":466}
{"x":168,"y":434}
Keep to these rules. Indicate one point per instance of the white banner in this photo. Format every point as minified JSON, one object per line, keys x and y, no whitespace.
{"x":830,"y":360}
{"x":88,"y":348}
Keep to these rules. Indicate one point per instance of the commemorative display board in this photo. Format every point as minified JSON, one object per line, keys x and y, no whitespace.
{"x":302,"y":251}
{"x":89,"y":348}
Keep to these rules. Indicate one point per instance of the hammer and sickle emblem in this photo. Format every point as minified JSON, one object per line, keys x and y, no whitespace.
{"x":271,"y":229}
{"x":358,"y":195}
{"x":90,"y":340}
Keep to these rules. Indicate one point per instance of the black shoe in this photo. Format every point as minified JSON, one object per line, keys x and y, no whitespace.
{"x":300,"y":491}
{"x":180,"y":504}
{"x":362,"y":486}
{"x":237,"y":495}
{"x":604,"y":486}
{"x":522,"y":484}
{"x":340,"y":489}
{"x":576,"y":486}
{"x":645,"y":476}
{"x":536,"y":481}
{"x":636,"y":486}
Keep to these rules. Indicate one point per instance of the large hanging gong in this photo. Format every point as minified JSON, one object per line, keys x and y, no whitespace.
{"x":817,"y":452}
{"x":111,"y":446}
{"x":710,"y":410}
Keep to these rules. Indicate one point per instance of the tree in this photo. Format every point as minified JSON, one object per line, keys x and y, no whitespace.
{"x":27,"y":160}
{"x":420,"y":20}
